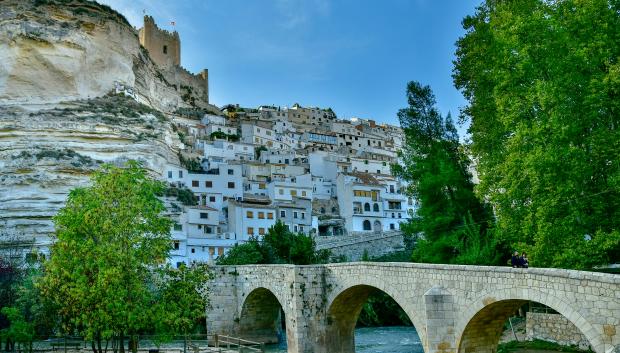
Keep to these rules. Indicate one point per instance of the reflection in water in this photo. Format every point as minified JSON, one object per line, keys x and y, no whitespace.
{"x":396,"y":339}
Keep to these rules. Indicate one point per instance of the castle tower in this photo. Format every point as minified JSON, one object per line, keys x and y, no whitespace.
{"x":164,"y":47}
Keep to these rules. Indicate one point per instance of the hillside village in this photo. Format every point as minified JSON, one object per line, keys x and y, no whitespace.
{"x":247,"y":168}
{"x":231,"y":171}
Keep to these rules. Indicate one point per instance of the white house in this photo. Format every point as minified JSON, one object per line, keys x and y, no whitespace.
{"x":249,"y":217}
{"x":360,"y":203}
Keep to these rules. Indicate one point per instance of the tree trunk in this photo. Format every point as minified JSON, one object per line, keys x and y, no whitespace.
{"x":99,"y":343}
{"x":121,"y":342}
{"x":92,"y":345}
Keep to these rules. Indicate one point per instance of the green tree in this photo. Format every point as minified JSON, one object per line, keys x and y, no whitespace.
{"x":279,"y":245}
{"x":182,"y":299}
{"x":436,"y":167}
{"x":542,"y":79}
{"x":109,"y":238}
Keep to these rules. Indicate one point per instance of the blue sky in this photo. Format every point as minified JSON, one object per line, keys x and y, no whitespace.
{"x":354,"y":56}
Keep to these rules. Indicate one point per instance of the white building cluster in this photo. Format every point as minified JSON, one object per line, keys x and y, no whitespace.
{"x":317,"y":174}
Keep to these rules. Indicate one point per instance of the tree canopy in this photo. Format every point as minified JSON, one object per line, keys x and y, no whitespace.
{"x":452,"y":222}
{"x":542,"y":80}
{"x":279,"y":246}
{"x":110,"y":238}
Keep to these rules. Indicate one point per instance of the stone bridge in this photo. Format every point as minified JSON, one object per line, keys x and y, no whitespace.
{"x":453,"y":308}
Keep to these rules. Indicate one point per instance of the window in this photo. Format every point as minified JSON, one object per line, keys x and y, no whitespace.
{"x":367,"y":207}
{"x":281,"y":191}
{"x":295,"y":214}
{"x":392,"y":189}
{"x":322,"y":210}
{"x":400,"y":215}
{"x":261,"y":231}
{"x":165,"y":49}
{"x":180,"y":173}
{"x":393,"y":215}
{"x":301,"y":228}
{"x":262,"y":186}
{"x":249,"y":214}
{"x":378,"y":171}
{"x":282,"y":214}
{"x":178,"y":226}
{"x":208,"y":184}
{"x":204,"y":215}
{"x":295,"y":228}
{"x":231,"y":185}
{"x":176,"y":245}
{"x":207,"y":230}
{"x":375,"y":207}
{"x":269,"y":215}
{"x":261,"y":215}
{"x":303,"y":215}
{"x":250,"y":231}
{"x":220,"y":251}
{"x":169,"y":174}
{"x":195,"y":183}
{"x":366,"y":225}
{"x":293,"y":192}
{"x":303,"y":193}
{"x":286,"y":160}
{"x":375,"y":195}
{"x":231,"y":171}
{"x":211,"y":198}
{"x":193,"y":250}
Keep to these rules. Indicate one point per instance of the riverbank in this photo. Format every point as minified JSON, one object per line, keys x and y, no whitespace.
{"x":537,"y":346}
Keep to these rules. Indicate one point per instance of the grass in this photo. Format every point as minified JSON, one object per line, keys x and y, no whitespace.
{"x":514,"y":346}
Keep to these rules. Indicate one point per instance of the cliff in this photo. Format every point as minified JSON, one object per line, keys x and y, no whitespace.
{"x":60,"y":61}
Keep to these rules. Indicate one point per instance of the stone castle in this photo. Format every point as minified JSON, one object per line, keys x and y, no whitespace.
{"x":164,"y":48}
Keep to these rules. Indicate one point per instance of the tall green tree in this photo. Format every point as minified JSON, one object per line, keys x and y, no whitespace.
{"x":542,"y":80}
{"x":452,"y":224}
{"x":109,"y":238}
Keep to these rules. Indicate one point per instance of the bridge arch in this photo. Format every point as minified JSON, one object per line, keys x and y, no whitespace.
{"x":344,"y":308}
{"x":481,"y":324}
{"x":260,"y":316}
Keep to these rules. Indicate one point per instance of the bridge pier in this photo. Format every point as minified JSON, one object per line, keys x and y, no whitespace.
{"x":440,"y":307}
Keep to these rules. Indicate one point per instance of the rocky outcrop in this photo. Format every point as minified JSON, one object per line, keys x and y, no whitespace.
{"x":46,"y":153}
{"x":59,"y":62}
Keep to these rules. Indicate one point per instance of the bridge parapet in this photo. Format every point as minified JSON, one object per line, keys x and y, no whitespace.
{"x":454,"y":308}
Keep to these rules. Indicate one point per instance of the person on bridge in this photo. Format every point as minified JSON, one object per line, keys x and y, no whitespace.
{"x":524,"y":262}
{"x":515,"y":261}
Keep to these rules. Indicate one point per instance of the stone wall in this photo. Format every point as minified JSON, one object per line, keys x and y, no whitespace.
{"x":353,"y":246}
{"x":554,"y":328}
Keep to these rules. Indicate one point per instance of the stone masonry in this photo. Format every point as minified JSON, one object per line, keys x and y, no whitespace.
{"x":554,"y":328}
{"x":353,"y":246}
{"x":453,"y":308}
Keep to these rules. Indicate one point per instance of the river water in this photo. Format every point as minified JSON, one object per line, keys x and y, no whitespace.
{"x":394,"y":339}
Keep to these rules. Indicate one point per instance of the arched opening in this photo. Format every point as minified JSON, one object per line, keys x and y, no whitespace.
{"x":366,"y":207}
{"x":366,"y":225}
{"x":519,"y":322}
{"x":377,"y":226}
{"x":375,"y":207}
{"x":262,"y":318}
{"x":348,"y":311}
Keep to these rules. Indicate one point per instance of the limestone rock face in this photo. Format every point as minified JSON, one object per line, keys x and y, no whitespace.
{"x":46,"y":153}
{"x":51,"y":52}
{"x":59,"y":62}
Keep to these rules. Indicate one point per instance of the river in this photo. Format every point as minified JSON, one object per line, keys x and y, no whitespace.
{"x":394,"y":339}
